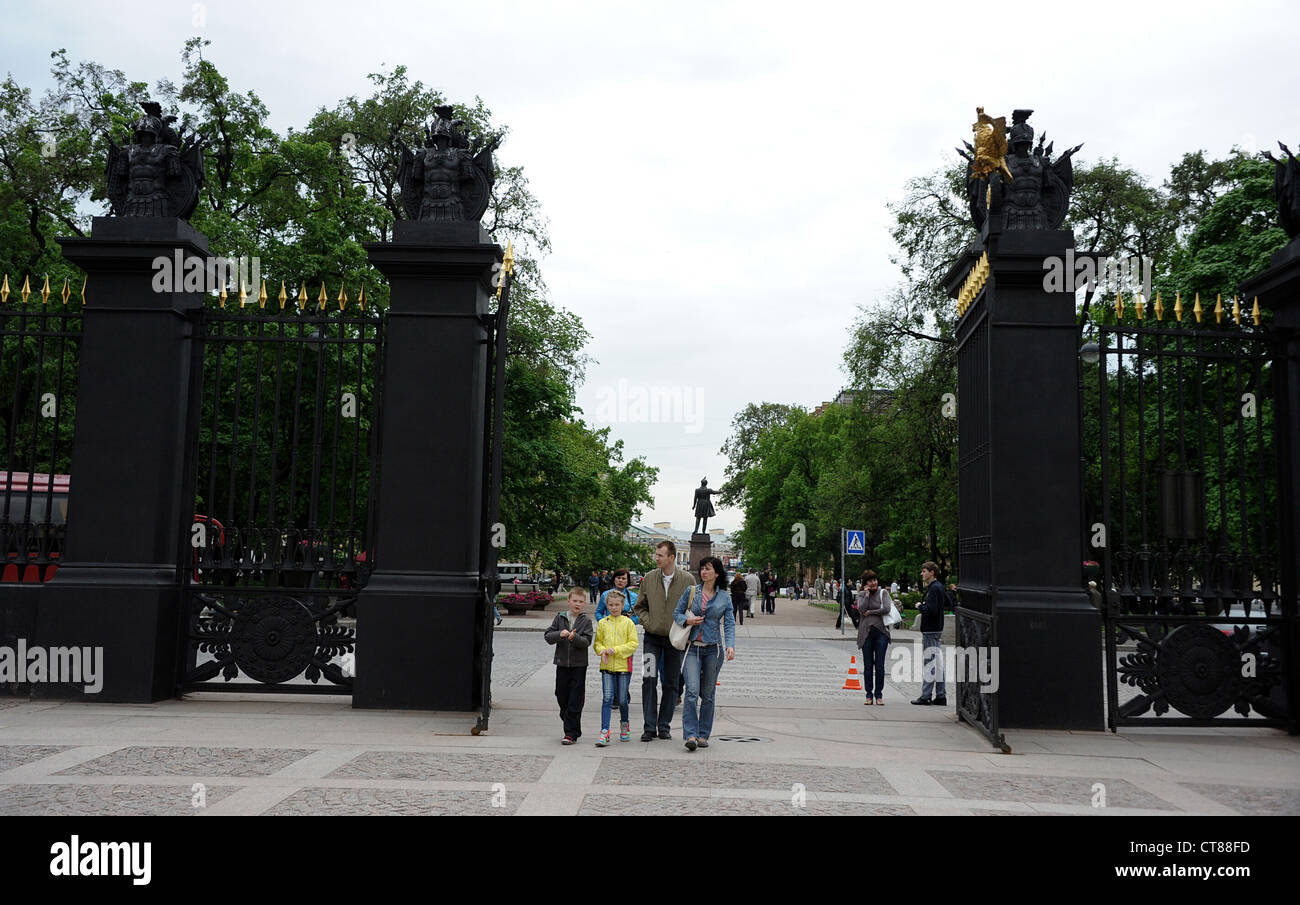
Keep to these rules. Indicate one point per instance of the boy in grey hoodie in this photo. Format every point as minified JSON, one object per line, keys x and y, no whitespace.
{"x":571,"y":632}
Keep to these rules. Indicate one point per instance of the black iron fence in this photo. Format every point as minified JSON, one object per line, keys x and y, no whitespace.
{"x":1182,"y":508}
{"x":40,"y":333}
{"x":283,"y":460}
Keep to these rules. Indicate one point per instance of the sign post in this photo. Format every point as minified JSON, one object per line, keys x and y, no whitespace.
{"x":853,"y":542}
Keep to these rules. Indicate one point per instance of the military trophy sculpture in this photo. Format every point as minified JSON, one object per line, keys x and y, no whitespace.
{"x":1025,"y":190}
{"x":159,"y":172}
{"x":449,"y":178}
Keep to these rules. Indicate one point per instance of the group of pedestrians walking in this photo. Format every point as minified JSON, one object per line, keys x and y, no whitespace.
{"x":667,"y":596}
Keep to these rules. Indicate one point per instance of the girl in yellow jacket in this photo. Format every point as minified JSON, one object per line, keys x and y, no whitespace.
{"x":615,"y":641}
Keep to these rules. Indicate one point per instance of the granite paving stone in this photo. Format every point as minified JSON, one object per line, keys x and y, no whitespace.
{"x":700,"y":773}
{"x":648,"y":806}
{"x":393,"y":801}
{"x":1250,"y":799}
{"x":439,"y":767}
{"x":31,"y":799}
{"x":1047,"y":789}
{"x":198,"y":761}
{"x":16,"y":755}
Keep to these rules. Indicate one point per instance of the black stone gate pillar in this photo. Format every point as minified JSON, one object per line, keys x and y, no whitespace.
{"x":1278,"y":289}
{"x":131,"y":489}
{"x":417,"y":616}
{"x":1021,"y":494}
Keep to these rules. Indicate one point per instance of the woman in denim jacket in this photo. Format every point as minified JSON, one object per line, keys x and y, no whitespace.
{"x":706,"y":608}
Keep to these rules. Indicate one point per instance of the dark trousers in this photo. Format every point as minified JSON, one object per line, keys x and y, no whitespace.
{"x":738,"y":609}
{"x":571,"y":694}
{"x":661,"y":665}
{"x":873,"y":660}
{"x":769,"y":603}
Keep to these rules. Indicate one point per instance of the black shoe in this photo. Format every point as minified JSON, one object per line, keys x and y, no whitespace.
{"x":921,"y":701}
{"x":690,"y":744}
{"x":648,"y":736}
{"x":702,"y":742}
{"x":665,"y":734}
{"x":941,"y":702}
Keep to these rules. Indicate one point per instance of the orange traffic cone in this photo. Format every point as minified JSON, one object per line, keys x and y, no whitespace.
{"x":852,"y":683}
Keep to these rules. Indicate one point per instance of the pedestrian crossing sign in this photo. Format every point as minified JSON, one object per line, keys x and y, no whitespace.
{"x":857,"y":543}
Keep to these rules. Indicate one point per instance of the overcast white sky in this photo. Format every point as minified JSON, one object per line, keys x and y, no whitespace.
{"x":716,"y":174}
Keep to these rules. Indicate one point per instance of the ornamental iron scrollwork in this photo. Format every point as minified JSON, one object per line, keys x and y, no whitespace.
{"x":270,"y":639}
{"x":1199,"y":671}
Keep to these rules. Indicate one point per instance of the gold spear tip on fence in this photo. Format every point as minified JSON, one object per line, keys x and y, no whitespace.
{"x":221,"y":297}
{"x":283,"y":296}
{"x":85,"y":281}
{"x":67,"y":291}
{"x":323,"y":298}
{"x":1178,"y":306}
{"x":1139,"y":306}
{"x":1218,"y":309}
{"x":1160,"y":308}
{"x":27,"y":289}
{"x":45,"y":290}
{"x":1119,"y":304}
{"x":302,"y":297}
{"x":361,"y":298}
{"x":343,"y":296}
{"x":243,"y":294}
{"x":1197,"y":309}
{"x":4,"y":291}
{"x":1255,"y":313}
{"x":509,"y":261}
{"x":1236,"y":311}
{"x":261,"y":296}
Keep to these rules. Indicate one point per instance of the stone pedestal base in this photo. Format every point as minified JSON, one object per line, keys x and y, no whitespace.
{"x":419,"y":650}
{"x":1049,"y":661}
{"x":701,"y":546}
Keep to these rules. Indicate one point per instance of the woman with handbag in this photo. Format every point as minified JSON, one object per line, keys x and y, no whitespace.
{"x":874,"y":605}
{"x":705,"y":611}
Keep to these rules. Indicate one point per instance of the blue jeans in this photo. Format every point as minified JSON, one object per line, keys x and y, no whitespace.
{"x":613,"y":689}
{"x":661,"y":663}
{"x":873,"y":660}
{"x":701,"y":667}
{"x":932,"y":665}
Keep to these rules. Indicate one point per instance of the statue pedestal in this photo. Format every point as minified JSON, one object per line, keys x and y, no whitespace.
{"x":701,"y":546}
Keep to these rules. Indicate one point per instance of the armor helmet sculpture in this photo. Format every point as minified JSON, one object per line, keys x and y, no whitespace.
{"x":1021,"y":131}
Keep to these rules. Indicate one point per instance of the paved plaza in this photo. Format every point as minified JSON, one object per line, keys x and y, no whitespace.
{"x":787,"y":741}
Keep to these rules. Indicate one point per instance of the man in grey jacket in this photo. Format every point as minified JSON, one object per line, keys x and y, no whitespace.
{"x":662,"y":663}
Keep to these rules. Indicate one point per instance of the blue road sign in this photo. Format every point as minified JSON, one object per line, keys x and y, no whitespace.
{"x":856,"y":544}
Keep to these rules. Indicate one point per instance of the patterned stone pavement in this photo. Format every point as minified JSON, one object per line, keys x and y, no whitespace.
{"x":110,"y":800}
{"x":669,"y":806}
{"x":443,"y":767}
{"x":819,"y":751}
{"x":407,"y":802}
{"x":143,"y":761}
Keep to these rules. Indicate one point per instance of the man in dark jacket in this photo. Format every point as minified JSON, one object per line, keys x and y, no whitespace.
{"x":571,"y":632}
{"x":936,"y":599}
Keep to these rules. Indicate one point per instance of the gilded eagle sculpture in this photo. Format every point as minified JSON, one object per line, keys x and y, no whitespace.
{"x":1027,"y":189}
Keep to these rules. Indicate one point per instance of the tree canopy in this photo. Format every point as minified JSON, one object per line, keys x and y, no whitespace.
{"x":304,"y":202}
